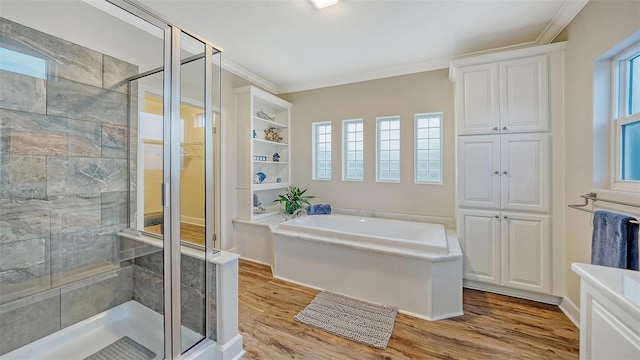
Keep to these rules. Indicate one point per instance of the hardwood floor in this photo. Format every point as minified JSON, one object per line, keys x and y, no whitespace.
{"x":188,"y":232}
{"x":493,"y":327}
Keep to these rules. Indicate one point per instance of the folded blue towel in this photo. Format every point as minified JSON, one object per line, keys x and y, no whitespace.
{"x":633,"y":260}
{"x":615,"y":240}
{"x":319,"y":209}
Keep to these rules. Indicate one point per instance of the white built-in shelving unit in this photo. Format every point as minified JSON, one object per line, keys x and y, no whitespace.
{"x":256,"y":154}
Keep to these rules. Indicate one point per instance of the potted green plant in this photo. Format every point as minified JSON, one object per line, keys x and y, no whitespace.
{"x":293,"y":199}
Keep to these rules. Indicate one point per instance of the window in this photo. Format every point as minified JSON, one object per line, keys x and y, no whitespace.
{"x":321,"y":150}
{"x":352,"y":150}
{"x":626,"y":119}
{"x":21,"y":63}
{"x":388,"y":149}
{"x":428,"y":148}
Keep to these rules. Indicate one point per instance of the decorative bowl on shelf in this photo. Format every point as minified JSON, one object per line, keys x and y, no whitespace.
{"x":262,"y":115}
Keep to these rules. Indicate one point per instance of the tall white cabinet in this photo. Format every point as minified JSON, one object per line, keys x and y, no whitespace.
{"x":258,"y":111}
{"x":508,"y":123}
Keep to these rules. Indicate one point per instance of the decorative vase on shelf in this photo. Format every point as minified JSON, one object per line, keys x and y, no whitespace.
{"x":276,"y":157}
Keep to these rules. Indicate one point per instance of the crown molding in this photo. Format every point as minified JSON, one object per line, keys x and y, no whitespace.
{"x":366,"y":76}
{"x":561,"y":19}
{"x":494,"y":56}
{"x":248,"y":75}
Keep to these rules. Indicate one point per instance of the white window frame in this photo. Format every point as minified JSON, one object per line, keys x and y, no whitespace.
{"x":314,"y":150}
{"x":416,"y":117}
{"x":345,"y":141}
{"x":620,"y":115}
{"x":379,"y":149}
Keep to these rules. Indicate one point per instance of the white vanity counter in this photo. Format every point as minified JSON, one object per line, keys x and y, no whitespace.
{"x":609,"y":312}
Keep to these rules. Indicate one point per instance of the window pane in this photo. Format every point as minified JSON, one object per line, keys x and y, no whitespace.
{"x":634,"y":85}
{"x":388,"y":144}
{"x":353,"y":148}
{"x":322,"y":151}
{"x":428,"y":144}
{"x":631,"y":151}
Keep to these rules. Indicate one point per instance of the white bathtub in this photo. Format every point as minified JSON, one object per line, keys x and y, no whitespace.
{"x":382,"y":233}
{"x":415,"y":266}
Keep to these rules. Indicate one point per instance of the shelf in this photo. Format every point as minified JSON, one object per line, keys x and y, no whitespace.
{"x":267,"y":213}
{"x":269,"y":186}
{"x":270,"y":162}
{"x":269,"y":123}
{"x":261,"y":141}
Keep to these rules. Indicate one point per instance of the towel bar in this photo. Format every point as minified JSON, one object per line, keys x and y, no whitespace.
{"x":594,"y":197}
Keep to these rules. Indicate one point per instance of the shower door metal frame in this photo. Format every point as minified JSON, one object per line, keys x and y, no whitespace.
{"x":171,"y":186}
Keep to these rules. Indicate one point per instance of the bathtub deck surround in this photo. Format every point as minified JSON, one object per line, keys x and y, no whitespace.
{"x":414,"y":266}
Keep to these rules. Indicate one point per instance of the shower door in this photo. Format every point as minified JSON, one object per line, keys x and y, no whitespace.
{"x":106,"y":115}
{"x":192,"y":216}
{"x":175,"y":178}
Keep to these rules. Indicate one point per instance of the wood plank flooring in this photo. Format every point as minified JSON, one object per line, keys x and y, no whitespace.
{"x":188,"y":232}
{"x":493,"y":327}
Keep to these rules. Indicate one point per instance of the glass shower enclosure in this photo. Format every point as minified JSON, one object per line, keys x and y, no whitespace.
{"x":107,"y":182}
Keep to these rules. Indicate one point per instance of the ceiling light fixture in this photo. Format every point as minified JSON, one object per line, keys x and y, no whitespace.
{"x":323,"y":3}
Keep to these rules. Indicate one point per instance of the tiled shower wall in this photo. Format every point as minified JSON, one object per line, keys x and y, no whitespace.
{"x":63,"y":186}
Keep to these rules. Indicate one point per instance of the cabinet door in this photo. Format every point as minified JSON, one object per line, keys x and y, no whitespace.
{"x":477,"y":102}
{"x":479,"y":234}
{"x":479,"y":171}
{"x":524,"y":95}
{"x":526,"y":258}
{"x":526,"y":172}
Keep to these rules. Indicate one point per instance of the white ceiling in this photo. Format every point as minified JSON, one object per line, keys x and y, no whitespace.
{"x":289,"y":45}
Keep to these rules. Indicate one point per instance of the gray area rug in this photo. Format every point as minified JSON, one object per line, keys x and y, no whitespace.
{"x":353,"y":319}
{"x":123,"y":349}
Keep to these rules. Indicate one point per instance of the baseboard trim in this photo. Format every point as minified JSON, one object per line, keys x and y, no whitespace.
{"x":523,"y":294}
{"x":192,"y":220}
{"x":232,"y":350}
{"x":571,"y":311}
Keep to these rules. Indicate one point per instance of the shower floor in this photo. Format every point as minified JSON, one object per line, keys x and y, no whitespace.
{"x":87,"y":337}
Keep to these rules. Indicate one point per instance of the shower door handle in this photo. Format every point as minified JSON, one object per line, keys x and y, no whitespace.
{"x":165,"y":194}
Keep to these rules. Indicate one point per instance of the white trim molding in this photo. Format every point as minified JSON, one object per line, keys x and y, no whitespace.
{"x":570,"y":310}
{"x":248,"y":75}
{"x":561,"y":19}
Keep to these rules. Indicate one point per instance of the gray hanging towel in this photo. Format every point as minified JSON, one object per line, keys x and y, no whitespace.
{"x":614,"y":242}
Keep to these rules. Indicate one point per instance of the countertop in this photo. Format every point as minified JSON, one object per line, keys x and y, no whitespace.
{"x":620,"y":285}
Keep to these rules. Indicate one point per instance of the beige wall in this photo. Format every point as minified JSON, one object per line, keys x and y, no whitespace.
{"x":229,"y":159}
{"x":401,"y":95}
{"x":192,"y":194}
{"x":597,"y":29}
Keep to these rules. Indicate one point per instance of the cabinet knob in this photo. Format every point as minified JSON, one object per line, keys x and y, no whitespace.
{"x":496,"y":128}
{"x":505,"y":172}
{"x":505,"y":217}
{"x":497,"y":217}
{"x":497,"y":172}
{"x":505,"y":128}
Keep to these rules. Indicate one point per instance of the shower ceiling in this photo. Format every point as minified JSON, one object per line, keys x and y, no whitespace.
{"x":290,"y":45}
